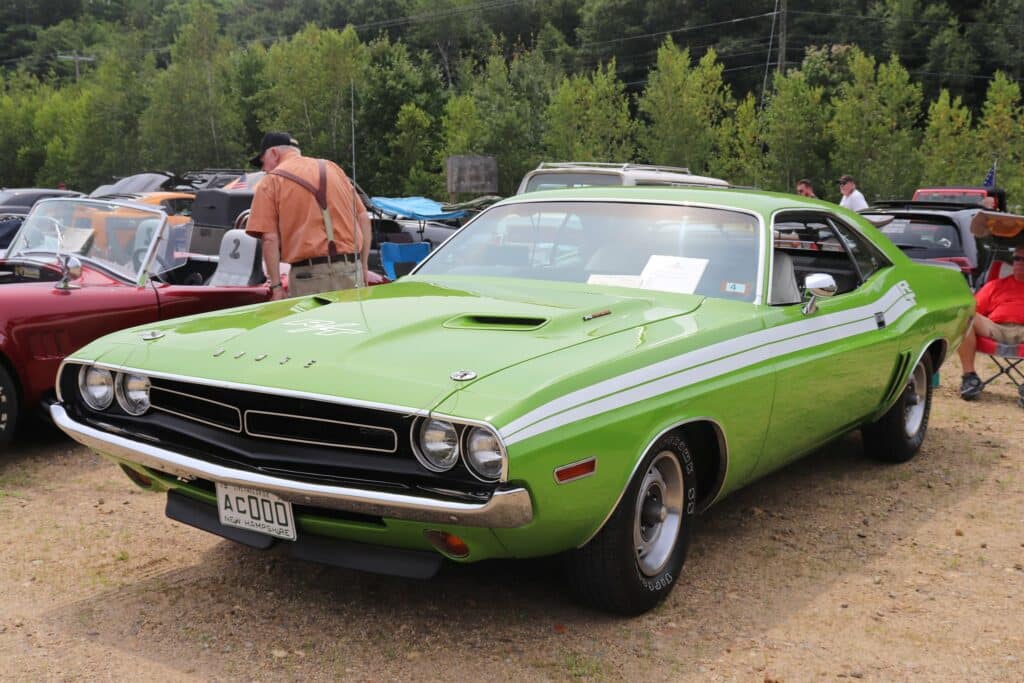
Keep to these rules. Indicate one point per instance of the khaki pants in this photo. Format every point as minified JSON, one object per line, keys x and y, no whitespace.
{"x":1004,"y":333}
{"x":324,"y":277}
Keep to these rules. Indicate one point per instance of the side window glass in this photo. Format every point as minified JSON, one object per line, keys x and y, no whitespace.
{"x":813,"y":246}
{"x":868,"y":259}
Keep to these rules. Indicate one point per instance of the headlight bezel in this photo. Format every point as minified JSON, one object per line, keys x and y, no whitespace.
{"x":463,"y":428}
{"x":467,"y":435}
{"x":121,"y":392}
{"x":83,"y":376}
{"x":420,"y":451}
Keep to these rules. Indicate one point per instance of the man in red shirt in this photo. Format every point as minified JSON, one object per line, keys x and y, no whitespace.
{"x":306,"y":213}
{"x":999,"y":316}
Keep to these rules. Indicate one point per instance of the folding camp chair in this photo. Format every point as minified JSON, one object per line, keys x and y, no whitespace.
{"x":1007,"y":357}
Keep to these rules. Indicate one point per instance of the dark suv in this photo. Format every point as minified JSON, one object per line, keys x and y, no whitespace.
{"x":934,"y":231}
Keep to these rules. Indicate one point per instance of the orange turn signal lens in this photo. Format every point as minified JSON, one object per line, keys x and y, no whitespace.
{"x":447,"y":543}
{"x":576,"y":470}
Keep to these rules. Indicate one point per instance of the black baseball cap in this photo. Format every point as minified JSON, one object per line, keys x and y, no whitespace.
{"x":273,"y":139}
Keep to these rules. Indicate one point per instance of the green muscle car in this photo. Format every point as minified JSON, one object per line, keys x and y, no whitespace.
{"x":576,"y":372}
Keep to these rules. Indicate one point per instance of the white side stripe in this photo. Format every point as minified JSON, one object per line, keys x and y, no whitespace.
{"x":708,"y":362}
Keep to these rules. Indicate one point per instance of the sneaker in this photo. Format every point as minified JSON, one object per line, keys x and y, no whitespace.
{"x":970,"y":386}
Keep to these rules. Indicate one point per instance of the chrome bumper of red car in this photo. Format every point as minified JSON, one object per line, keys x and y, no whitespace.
{"x":506,"y":508}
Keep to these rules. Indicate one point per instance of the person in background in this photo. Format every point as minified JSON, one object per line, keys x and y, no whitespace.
{"x":999,"y":316}
{"x":852,"y":198}
{"x":306,"y":213}
{"x":804,"y":188}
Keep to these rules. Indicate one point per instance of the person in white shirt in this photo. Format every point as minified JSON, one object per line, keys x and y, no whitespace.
{"x":852,"y":198}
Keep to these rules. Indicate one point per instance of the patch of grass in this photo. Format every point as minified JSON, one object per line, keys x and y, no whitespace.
{"x":121,"y":556}
{"x":581,"y":666}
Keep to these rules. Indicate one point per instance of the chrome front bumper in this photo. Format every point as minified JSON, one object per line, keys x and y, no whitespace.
{"x":506,"y":509}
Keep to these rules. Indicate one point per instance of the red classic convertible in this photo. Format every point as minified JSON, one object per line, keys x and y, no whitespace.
{"x":81,"y":268}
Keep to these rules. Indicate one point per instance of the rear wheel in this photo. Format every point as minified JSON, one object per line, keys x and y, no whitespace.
{"x":898,"y":435}
{"x":633,"y":562}
{"x":8,"y":406}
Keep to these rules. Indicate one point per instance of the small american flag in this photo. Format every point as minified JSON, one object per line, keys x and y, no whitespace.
{"x":990,"y":177}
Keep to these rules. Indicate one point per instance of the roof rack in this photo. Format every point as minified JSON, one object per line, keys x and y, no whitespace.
{"x":619,"y":167}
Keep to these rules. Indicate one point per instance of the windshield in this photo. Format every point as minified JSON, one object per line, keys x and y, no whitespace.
{"x":917,"y":233}
{"x":117,"y":236}
{"x":713,"y":252}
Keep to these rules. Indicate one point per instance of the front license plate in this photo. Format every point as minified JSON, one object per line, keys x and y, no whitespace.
{"x":255,"y":510}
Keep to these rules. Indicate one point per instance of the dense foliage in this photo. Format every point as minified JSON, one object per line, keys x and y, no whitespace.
{"x":895,"y":92}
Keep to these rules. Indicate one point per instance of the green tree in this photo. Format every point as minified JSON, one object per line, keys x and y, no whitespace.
{"x":683,"y":105}
{"x":412,"y":148}
{"x":20,"y":96}
{"x":796,"y":133}
{"x":952,"y":60}
{"x":1000,"y":135}
{"x":106,"y":142}
{"x":59,"y":114}
{"x":311,"y":80}
{"x":194,"y":116}
{"x":950,"y":151}
{"x":588,"y":119}
{"x":393,"y":80}
{"x":740,"y":158}
{"x":873,"y":127}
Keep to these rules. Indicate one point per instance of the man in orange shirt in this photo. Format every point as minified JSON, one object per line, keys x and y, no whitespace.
{"x":306,"y":213}
{"x":999,"y":316}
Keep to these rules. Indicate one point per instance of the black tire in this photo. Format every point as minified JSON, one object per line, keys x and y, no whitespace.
{"x":8,"y":407}
{"x":898,"y":435}
{"x":611,"y":572}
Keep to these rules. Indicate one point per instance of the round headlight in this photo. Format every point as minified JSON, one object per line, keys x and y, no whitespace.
{"x":483,"y":454}
{"x":97,"y":387}
{"x":133,"y":393}
{"x":439,"y":445}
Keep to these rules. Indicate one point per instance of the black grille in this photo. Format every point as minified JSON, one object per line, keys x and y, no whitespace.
{"x":297,"y":438}
{"x":193,"y":407}
{"x":319,"y":431}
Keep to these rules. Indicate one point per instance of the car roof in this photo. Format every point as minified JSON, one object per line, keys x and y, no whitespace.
{"x":757,"y":201}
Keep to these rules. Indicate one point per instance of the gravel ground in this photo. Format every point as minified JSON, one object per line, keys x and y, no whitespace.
{"x":833,"y":568}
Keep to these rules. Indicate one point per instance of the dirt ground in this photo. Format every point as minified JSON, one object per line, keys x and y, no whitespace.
{"x":834,"y":568}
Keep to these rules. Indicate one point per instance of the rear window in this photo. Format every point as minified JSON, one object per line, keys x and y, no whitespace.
{"x":949,"y":196}
{"x":932,"y":235}
{"x":559,"y":181}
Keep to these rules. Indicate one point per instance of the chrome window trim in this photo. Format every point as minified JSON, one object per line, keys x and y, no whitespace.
{"x":250,"y":432}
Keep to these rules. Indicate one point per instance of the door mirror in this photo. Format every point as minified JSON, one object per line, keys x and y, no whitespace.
{"x":71,"y":269}
{"x":817,"y":285}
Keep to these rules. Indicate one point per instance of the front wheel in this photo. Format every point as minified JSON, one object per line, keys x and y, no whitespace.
{"x":8,"y":406}
{"x":898,"y":435}
{"x":633,"y":562}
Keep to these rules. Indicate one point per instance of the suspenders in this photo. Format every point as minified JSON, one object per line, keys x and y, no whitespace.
{"x":320,"y":194}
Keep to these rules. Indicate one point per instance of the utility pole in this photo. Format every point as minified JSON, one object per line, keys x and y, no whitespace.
{"x":76,"y":58}
{"x":782,"y":36}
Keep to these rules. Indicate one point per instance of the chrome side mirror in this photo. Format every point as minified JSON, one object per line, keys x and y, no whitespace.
{"x":817,"y":285}
{"x":70,"y":269}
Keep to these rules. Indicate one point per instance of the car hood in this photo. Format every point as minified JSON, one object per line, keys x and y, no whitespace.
{"x":397,"y":344}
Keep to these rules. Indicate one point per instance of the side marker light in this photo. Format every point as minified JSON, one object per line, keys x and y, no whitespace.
{"x":576,"y":470}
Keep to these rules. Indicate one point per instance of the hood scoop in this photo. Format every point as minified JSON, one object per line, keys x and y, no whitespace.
{"x":512,"y":323}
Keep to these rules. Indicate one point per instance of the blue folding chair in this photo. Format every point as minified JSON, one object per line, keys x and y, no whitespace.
{"x":399,"y":259}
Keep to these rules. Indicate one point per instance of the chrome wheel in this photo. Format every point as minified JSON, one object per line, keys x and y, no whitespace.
{"x":915,"y":400}
{"x":658,"y":515}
